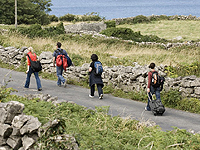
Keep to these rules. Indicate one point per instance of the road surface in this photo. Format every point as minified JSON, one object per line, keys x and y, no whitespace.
{"x":118,"y":106}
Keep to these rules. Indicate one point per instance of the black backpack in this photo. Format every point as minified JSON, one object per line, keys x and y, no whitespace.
{"x":35,"y":65}
{"x":155,"y":80}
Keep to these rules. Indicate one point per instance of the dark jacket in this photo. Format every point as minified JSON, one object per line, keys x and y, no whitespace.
{"x":94,"y":79}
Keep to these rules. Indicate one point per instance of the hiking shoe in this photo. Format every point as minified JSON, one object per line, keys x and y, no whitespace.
{"x":40,"y":89}
{"x":146,"y":109}
{"x":91,"y":96}
{"x":65,"y":84}
{"x":58,"y":85}
{"x":101,"y":96}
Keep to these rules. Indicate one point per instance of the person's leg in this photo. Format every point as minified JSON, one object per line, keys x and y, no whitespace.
{"x":37,"y":80}
{"x":59,"y":71}
{"x":100,"y":91}
{"x":92,"y":90}
{"x":149,"y":99}
{"x":27,"y":83}
{"x":157,"y":93}
{"x":150,"y":94}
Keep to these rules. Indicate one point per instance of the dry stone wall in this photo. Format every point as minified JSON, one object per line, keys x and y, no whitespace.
{"x":17,"y":131}
{"x":130,"y":78}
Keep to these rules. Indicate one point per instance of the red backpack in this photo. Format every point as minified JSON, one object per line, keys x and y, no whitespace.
{"x":61,"y":60}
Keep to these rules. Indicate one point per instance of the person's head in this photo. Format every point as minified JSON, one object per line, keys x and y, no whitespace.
{"x":94,"y":57}
{"x":59,"y":45}
{"x":30,"y":49}
{"x":152,"y":65}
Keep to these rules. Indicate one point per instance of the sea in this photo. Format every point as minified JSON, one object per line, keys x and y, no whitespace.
{"x":111,"y":9}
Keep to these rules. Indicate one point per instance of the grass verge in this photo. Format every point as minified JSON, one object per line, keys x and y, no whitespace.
{"x":95,"y":129}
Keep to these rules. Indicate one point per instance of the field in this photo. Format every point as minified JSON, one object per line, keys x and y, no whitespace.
{"x":82,"y":47}
{"x":94,"y":129}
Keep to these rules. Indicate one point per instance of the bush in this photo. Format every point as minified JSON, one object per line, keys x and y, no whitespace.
{"x":37,"y":31}
{"x":53,"y":18}
{"x":110,"y":24}
{"x":68,"y":17}
{"x":90,"y":17}
{"x":184,"y":70}
{"x":128,"y":34}
{"x":158,"y":18}
{"x":140,"y":19}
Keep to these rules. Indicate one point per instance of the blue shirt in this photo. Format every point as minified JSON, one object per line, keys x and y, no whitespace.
{"x":56,"y":52}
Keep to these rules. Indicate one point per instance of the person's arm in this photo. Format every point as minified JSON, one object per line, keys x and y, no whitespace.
{"x":149,"y":81}
{"x":54,"y":59}
{"x":28,"y":63}
{"x":90,"y":69}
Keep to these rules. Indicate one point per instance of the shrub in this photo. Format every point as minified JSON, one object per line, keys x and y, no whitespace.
{"x":37,"y":31}
{"x":184,"y":70}
{"x":53,"y":18}
{"x":110,"y":24}
{"x":128,"y":34}
{"x":140,"y":19}
{"x":68,"y":17}
{"x":157,"y":18}
{"x":90,"y":17}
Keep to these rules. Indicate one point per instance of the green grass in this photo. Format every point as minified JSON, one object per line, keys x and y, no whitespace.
{"x":169,"y":29}
{"x":95,"y":129}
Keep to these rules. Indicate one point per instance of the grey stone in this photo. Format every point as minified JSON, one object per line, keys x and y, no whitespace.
{"x":20,"y":120}
{"x":197,"y":90}
{"x":27,"y":142}
{"x":5,"y":130}
{"x":15,"y":142}
{"x":31,"y":126}
{"x":11,"y":109}
{"x":2,"y":141}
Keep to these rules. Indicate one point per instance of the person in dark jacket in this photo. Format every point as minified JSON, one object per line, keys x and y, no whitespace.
{"x":95,"y":79}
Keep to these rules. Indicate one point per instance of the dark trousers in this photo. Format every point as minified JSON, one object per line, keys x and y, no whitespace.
{"x":99,"y":87}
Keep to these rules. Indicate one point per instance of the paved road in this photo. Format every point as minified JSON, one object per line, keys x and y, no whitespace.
{"x":118,"y":106}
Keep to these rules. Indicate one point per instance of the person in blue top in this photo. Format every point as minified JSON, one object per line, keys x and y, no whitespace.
{"x":59,"y":70}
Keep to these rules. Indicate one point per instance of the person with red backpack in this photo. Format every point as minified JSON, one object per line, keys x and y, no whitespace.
{"x":59,"y":57}
{"x":153,"y":86}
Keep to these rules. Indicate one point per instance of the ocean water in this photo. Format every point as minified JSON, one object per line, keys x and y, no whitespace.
{"x":111,"y":9}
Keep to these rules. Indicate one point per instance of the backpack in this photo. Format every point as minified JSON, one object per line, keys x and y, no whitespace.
{"x":69,"y":61}
{"x":35,"y":65}
{"x":155,"y":80}
{"x":63,"y":60}
{"x":98,"y":68}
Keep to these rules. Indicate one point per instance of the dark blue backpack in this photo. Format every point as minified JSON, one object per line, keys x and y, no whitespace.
{"x":98,"y":68}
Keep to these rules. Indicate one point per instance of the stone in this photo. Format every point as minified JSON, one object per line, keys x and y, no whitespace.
{"x":27,"y":142}
{"x":19,"y":121}
{"x":5,"y":130}
{"x":197,"y":90}
{"x":31,"y":126}
{"x":2,"y":141}
{"x":10,"y":110}
{"x":15,"y":142}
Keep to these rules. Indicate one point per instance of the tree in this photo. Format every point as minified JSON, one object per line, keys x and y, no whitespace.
{"x":28,"y":11}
